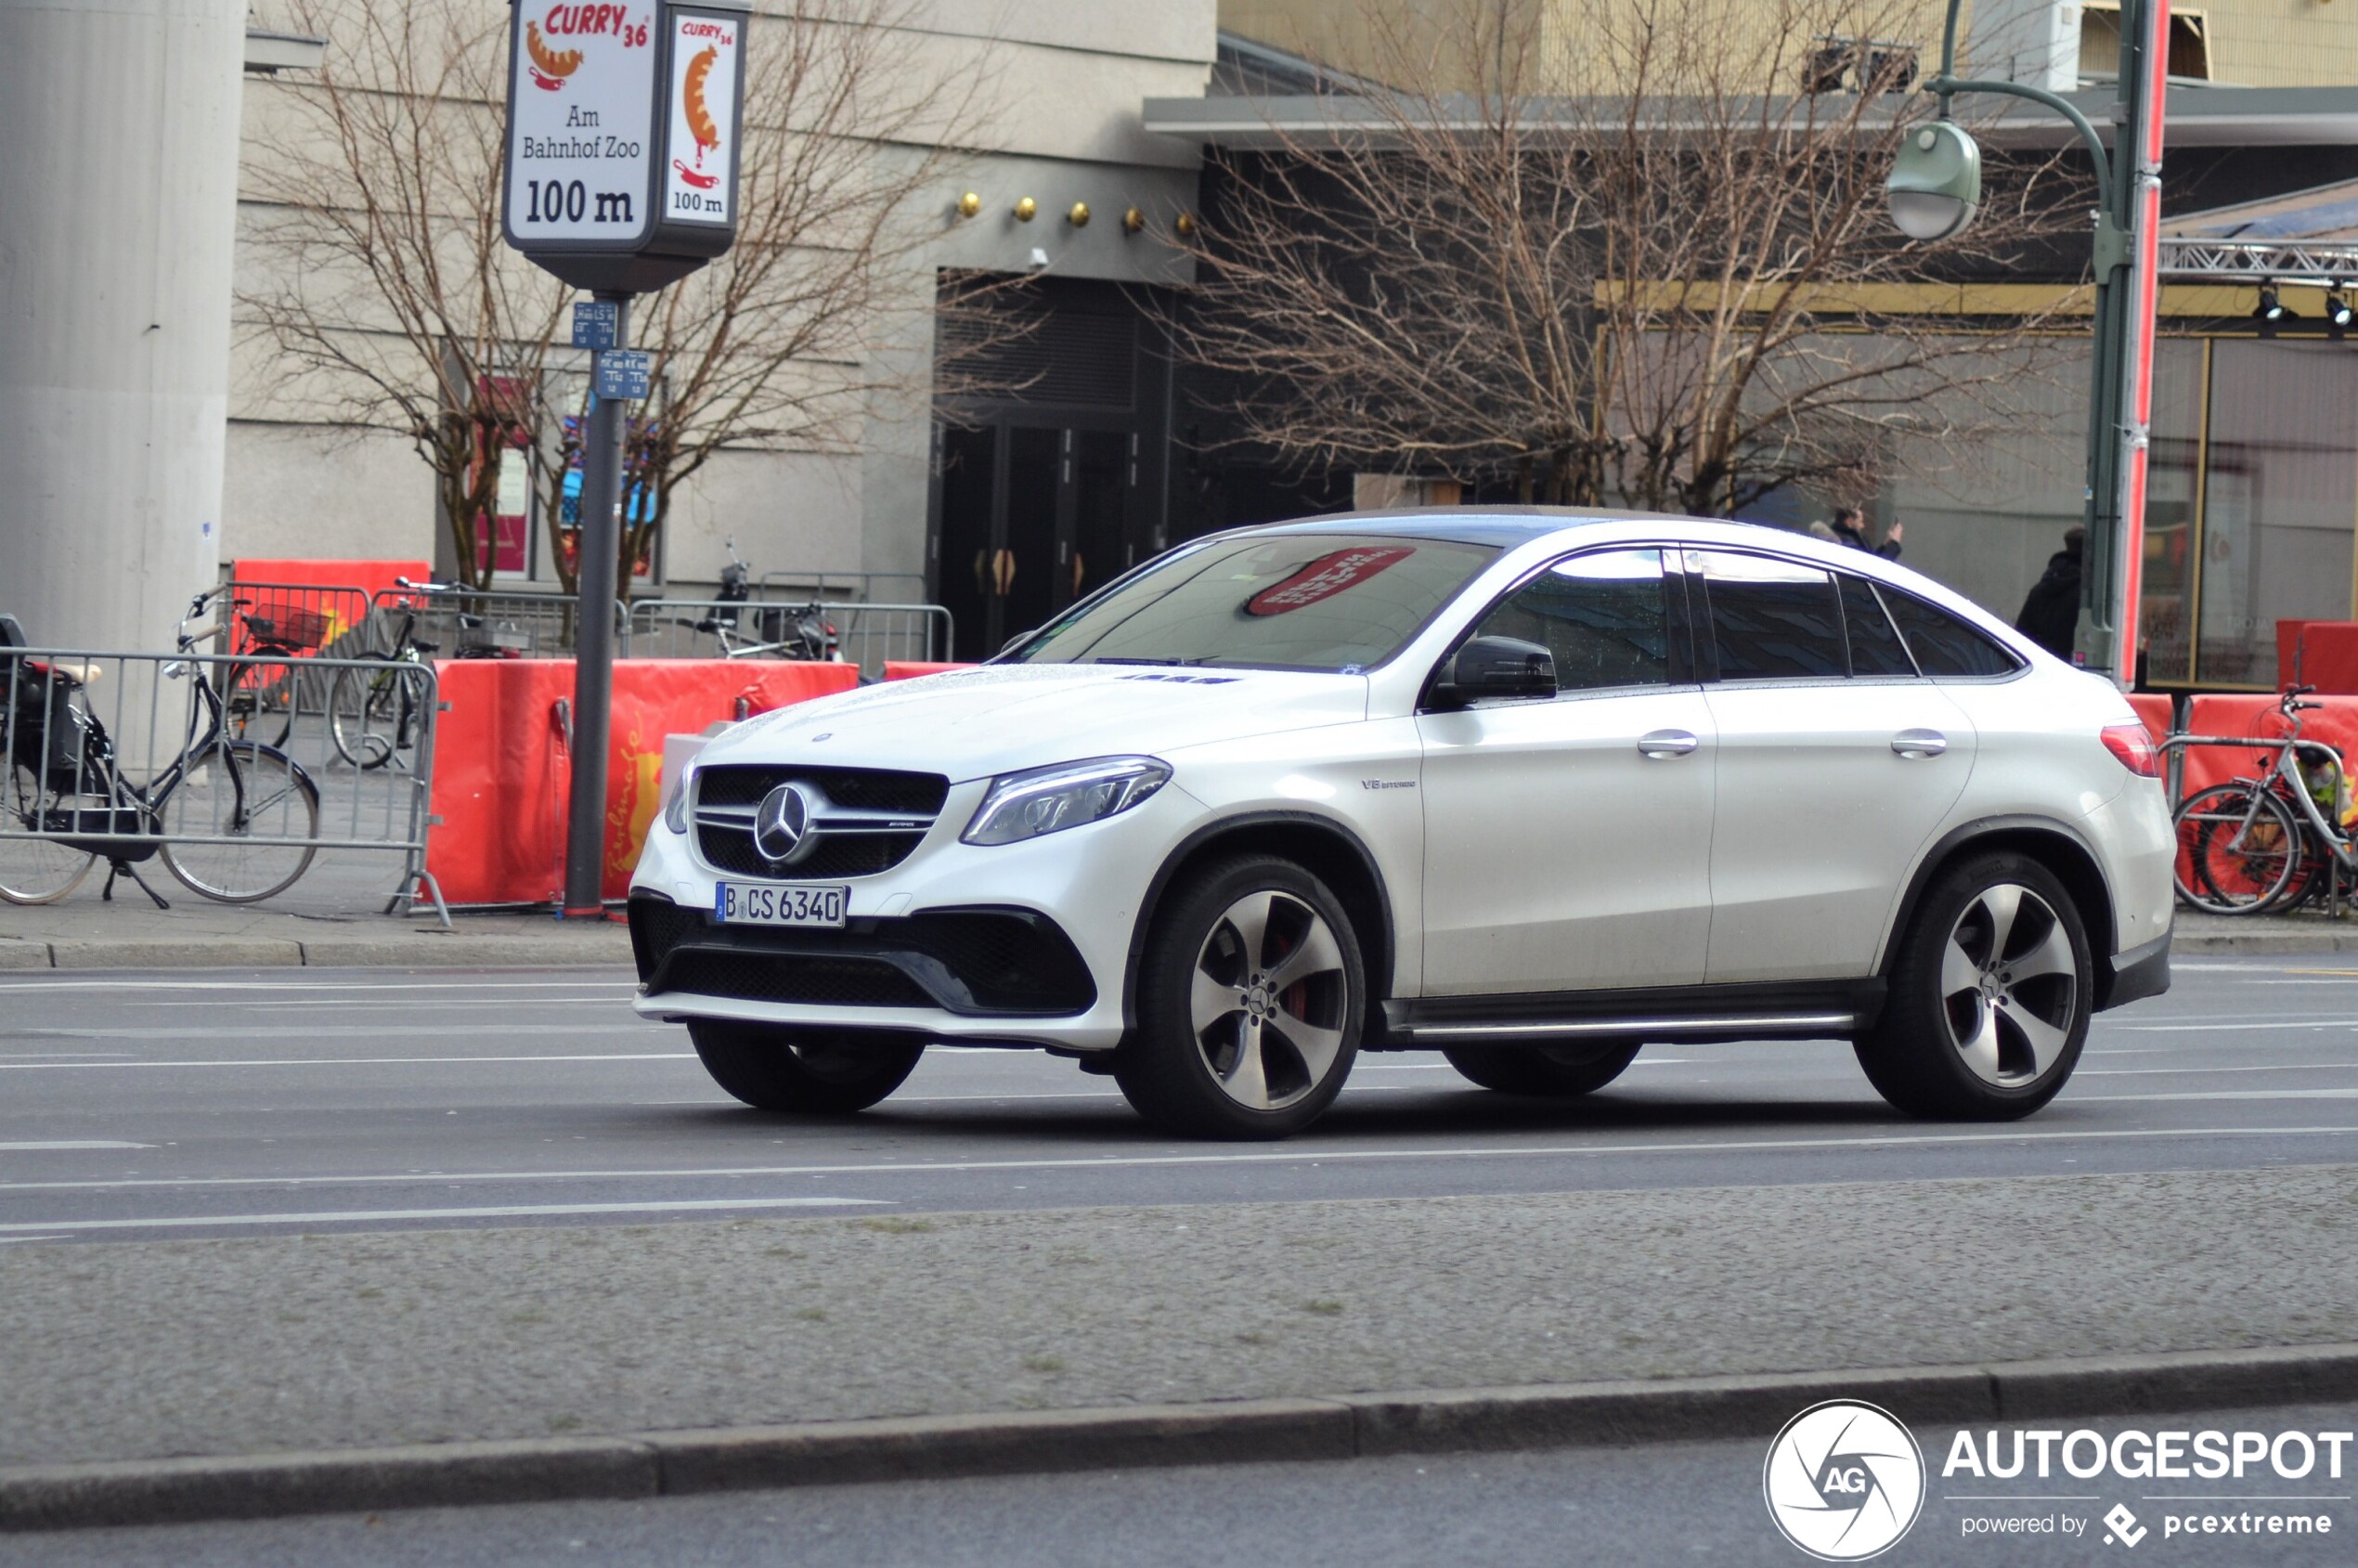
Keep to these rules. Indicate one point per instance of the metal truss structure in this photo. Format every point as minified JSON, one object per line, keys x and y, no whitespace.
{"x":2260,"y":261}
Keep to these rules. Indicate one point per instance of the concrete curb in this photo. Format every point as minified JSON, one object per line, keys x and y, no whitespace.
{"x":1346,"y":1426}
{"x":412,"y":950}
{"x":428,"y":948}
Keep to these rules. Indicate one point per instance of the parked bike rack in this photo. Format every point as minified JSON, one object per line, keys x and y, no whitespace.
{"x":161,"y":780}
{"x":867,"y":635}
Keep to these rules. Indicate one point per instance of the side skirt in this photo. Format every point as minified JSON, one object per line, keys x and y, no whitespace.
{"x":1806,"y":1010}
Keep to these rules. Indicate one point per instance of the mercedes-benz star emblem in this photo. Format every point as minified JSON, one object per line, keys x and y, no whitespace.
{"x":782,"y":824}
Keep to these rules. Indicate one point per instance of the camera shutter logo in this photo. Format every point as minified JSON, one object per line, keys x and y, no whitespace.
{"x":1843,"y":1481}
{"x":782,"y":824}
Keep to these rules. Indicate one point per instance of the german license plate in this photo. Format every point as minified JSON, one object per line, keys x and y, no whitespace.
{"x":763,"y":903}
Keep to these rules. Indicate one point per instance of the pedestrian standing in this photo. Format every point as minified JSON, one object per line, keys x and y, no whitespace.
{"x":1850,"y":527}
{"x":2051,"y":611}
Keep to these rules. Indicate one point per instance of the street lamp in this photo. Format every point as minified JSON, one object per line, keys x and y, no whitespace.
{"x":1935,"y":187}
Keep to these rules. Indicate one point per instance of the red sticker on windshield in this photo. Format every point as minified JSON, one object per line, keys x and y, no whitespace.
{"x":1326,"y":576}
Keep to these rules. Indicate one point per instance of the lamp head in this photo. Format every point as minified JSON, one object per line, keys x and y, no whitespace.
{"x":1935,"y":187}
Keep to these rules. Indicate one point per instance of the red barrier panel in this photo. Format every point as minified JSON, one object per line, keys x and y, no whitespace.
{"x":503,"y":778}
{"x":372,"y":576}
{"x":2155,"y":709}
{"x":909,"y":669}
{"x":2255,"y":714}
{"x":2329,"y":656}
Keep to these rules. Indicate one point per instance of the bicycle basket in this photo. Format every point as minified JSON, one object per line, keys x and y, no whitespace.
{"x":289,"y":626}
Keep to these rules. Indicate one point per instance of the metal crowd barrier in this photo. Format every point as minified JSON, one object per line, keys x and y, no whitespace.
{"x":528,"y":626}
{"x":113,"y":757}
{"x":866,"y":635}
{"x":308,"y":620}
{"x":787,"y":584}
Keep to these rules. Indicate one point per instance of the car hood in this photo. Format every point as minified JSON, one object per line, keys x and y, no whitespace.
{"x":1000,"y":718}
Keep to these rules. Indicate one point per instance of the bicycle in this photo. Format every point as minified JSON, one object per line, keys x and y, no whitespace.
{"x":263,"y":696}
{"x":60,"y":782}
{"x":2252,"y":845}
{"x":373,"y":716}
{"x":786,"y":631}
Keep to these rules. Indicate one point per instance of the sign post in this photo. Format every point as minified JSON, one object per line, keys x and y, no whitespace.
{"x":620,"y":178}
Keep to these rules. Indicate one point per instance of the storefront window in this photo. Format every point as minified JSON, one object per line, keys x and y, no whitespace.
{"x":2279,"y":502}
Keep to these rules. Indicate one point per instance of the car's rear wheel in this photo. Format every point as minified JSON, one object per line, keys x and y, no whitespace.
{"x":1990,"y":998}
{"x":773,"y":1067}
{"x":1559,"y":1072}
{"x":1251,"y":995}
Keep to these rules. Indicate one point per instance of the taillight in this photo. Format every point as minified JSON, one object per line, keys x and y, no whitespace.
{"x":2135,"y":746}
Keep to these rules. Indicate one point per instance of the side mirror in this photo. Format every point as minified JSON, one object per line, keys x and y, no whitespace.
{"x":1494,"y":666}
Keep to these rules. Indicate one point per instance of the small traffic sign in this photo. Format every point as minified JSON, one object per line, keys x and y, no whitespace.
{"x":624,"y":372}
{"x":593,"y":324}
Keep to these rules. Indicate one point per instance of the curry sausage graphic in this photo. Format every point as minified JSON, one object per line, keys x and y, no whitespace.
{"x":549,"y":67}
{"x":699,"y":122}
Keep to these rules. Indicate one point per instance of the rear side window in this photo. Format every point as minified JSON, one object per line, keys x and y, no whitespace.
{"x":1601,"y":615}
{"x":1875,"y":648}
{"x":1771,"y":620}
{"x":1944,"y":645}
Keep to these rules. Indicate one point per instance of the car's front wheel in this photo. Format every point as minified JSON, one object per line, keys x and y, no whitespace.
{"x":1251,"y":995}
{"x":1556,"y":1072}
{"x":772,"y":1068}
{"x":1990,"y":998}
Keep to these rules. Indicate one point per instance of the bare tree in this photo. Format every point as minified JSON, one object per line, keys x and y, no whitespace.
{"x":1614,"y":252}
{"x":386,"y":286}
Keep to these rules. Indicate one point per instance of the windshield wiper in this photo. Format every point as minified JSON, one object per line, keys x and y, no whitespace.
{"x":1206,"y":659}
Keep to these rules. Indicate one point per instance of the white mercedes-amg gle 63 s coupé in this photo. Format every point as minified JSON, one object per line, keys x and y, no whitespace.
{"x":1531,"y":790}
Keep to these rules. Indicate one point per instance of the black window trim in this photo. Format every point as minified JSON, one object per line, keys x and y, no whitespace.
{"x":2022,"y":666}
{"x":1679,"y":622}
{"x":1707,"y":648}
{"x":1906,"y":652}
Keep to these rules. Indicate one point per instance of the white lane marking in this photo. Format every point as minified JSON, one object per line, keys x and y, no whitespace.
{"x":2176,"y":1071}
{"x":67,"y":1144}
{"x":2224,"y":1094}
{"x":498,"y":1212}
{"x":2229,"y":1026}
{"x":370,"y":1061}
{"x":1109,"y":1162}
{"x":9,"y":1240}
{"x":623,"y":1024}
{"x":412,"y":1004}
{"x":323,"y":984}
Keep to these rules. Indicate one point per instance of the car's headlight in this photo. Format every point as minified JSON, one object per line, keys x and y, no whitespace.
{"x":675,"y":809}
{"x":1040,"y":800}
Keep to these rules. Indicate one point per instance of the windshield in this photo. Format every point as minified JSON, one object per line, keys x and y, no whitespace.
{"x":1323,"y":601}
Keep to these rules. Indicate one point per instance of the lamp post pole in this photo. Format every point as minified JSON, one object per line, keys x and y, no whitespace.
{"x":2120,"y":373}
{"x":597,"y":576}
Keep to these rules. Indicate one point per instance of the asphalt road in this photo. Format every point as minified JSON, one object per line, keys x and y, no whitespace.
{"x":1667,"y":1503}
{"x":219,"y":1104}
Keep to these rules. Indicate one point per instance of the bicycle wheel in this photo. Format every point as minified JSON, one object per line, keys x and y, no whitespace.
{"x":365,"y":716}
{"x":33,"y":871}
{"x":2238,"y":847}
{"x":258,"y":701}
{"x":228,"y":823}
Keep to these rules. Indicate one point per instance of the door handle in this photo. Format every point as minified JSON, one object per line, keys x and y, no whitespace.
{"x":1917,"y":744}
{"x":1661,"y":744}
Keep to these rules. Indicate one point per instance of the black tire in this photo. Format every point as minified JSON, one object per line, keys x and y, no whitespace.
{"x":2238,"y":855}
{"x":1992,"y":1030}
{"x":365,"y":717}
{"x":1272,"y":1061}
{"x":1554,"y":1072}
{"x":774,"y":1068}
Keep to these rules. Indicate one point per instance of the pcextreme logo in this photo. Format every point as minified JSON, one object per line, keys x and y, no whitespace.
{"x":1843,"y":1481}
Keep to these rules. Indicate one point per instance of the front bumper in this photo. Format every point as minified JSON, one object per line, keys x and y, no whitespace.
{"x":1022,"y":943}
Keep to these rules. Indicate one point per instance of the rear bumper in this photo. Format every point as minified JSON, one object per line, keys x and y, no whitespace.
{"x":2135,"y":974}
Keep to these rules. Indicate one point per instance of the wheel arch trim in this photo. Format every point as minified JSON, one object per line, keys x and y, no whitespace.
{"x":2016,"y":829}
{"x":1379,"y":963}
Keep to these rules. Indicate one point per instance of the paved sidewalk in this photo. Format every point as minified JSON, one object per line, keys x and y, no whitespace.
{"x":227,"y":1347}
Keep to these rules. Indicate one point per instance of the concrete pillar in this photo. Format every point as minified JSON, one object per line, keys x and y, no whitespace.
{"x":118,"y":215}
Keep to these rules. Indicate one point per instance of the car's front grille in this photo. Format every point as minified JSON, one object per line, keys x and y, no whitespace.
{"x":973,"y":961}
{"x":872,"y":818}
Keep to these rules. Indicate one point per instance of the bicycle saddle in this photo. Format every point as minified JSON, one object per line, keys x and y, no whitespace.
{"x":424,"y":646}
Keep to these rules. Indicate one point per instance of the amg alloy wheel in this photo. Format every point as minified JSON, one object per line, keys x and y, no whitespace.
{"x":1990,"y":999}
{"x":1249,"y":1004}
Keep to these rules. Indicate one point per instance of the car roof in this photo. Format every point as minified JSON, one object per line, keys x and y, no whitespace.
{"x":1505,"y":527}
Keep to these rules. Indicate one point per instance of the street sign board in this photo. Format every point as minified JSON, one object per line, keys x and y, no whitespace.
{"x":624,"y":372}
{"x":594,"y":323}
{"x":623,"y":120}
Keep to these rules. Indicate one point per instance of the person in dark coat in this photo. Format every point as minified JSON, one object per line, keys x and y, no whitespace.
{"x":2050,"y":611}
{"x":1850,"y":527}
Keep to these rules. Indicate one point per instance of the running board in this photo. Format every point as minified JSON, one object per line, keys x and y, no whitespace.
{"x":1833,"y":1010}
